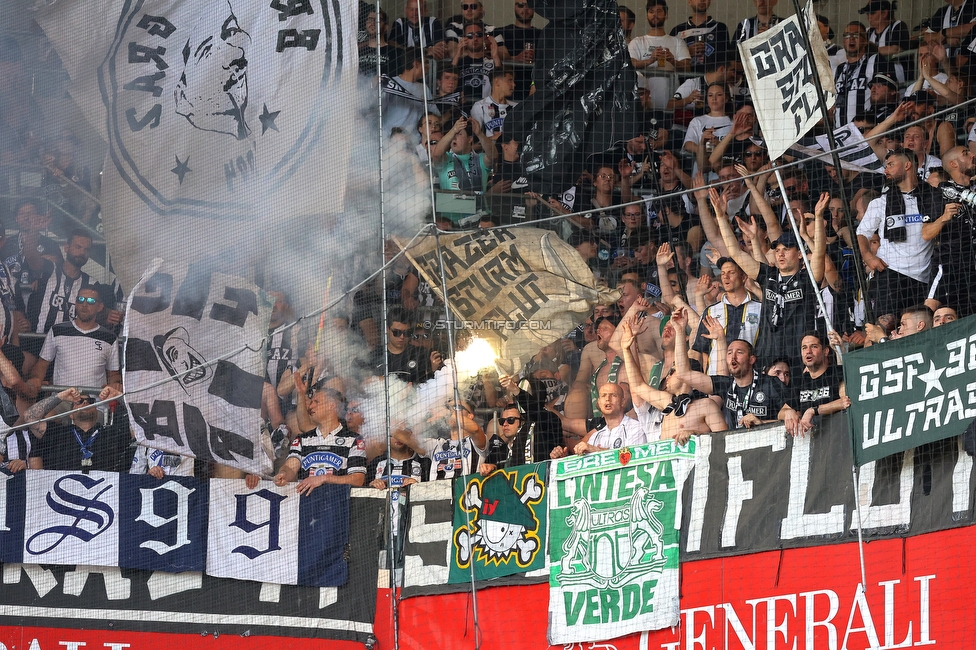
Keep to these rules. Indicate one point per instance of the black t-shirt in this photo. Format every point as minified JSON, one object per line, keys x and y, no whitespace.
{"x":411,"y":365}
{"x":764,"y":397}
{"x":816,"y":392}
{"x":61,"y":448}
{"x":789,"y":309}
{"x":515,"y":39}
{"x":474,"y":78}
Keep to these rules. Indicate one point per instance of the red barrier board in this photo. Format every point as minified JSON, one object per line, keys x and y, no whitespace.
{"x":918,"y":595}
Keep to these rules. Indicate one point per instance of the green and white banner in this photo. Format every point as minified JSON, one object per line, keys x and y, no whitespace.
{"x":613,"y":541}
{"x":911,"y":391}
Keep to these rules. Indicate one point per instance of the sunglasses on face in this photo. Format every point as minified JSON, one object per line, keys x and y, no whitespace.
{"x":82,"y":300}
{"x":474,"y":35}
{"x":466,"y":7}
{"x":753,"y":154}
{"x":510,"y":420}
{"x":397,"y":333}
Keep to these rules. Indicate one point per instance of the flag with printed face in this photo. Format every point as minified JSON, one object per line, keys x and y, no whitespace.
{"x":499,"y":523}
{"x":779,"y":70}
{"x":911,"y":391}
{"x":613,"y":541}
{"x":194,"y":364}
{"x":215,"y":114}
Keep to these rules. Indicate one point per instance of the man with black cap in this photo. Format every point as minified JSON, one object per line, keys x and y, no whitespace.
{"x":788,"y":305}
{"x":891,"y":36}
{"x":884,"y":96}
{"x":902,"y":264}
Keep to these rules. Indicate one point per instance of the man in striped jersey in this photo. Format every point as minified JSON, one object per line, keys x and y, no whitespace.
{"x":853,"y":76}
{"x":53,"y":301}
{"x":763,"y":20}
{"x":329,"y":453}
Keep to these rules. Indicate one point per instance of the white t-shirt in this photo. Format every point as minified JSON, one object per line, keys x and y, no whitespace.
{"x":490,"y":114}
{"x":81,"y":358}
{"x":698,"y":125}
{"x":626,"y":434}
{"x":911,"y":257}
{"x":642,"y":48}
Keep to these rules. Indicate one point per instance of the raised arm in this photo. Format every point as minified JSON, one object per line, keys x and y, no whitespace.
{"x":760,"y":204}
{"x":682,"y":364}
{"x":639,"y":388}
{"x":743,"y":259}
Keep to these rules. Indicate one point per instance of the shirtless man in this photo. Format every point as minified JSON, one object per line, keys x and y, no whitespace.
{"x":674,"y":415}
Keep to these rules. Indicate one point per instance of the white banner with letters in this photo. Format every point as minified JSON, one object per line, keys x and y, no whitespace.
{"x":779,"y":70}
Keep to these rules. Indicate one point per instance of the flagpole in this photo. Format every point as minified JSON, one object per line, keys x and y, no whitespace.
{"x":384,"y":342}
{"x":449,"y":318}
{"x":860,"y":535}
{"x":803,"y":254}
{"x":851,"y":226}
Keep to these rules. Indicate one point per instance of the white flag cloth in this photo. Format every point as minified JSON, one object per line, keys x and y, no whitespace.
{"x":217,"y":115}
{"x":183,"y":397}
{"x":779,"y":71}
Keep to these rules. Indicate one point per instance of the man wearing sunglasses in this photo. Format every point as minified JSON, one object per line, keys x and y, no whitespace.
{"x":84,"y":444}
{"x":471,"y":11}
{"x":83,"y":352}
{"x":411,"y":364}
{"x":475,"y":58}
{"x":501,"y":452}
{"x":852,"y":77}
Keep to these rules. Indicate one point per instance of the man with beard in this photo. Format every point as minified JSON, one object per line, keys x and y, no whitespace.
{"x":57,"y":289}
{"x":818,"y":387}
{"x":84,"y":444}
{"x":658,"y":51}
{"x":543,"y":391}
{"x":737,"y":313}
{"x":83,"y":352}
{"x":902,"y":264}
{"x":749,"y":397}
{"x":788,"y":305}
{"x":707,"y":39}
{"x":955,"y":236}
{"x":520,"y":40}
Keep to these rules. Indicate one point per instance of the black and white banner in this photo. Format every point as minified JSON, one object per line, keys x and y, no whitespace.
{"x":164,"y":523}
{"x":218,"y":115}
{"x":761,"y":490}
{"x":184,"y":394}
{"x":780,"y":70}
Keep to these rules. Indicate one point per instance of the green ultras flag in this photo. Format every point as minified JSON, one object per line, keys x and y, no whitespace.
{"x":499,"y":523}
{"x":613,"y":541}
{"x":913,"y":390}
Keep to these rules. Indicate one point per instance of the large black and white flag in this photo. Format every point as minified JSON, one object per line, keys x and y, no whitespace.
{"x":780,"y":70}
{"x":188,"y":392}
{"x":217,"y":114}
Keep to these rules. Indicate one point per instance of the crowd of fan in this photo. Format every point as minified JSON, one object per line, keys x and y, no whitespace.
{"x":722,"y":320}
